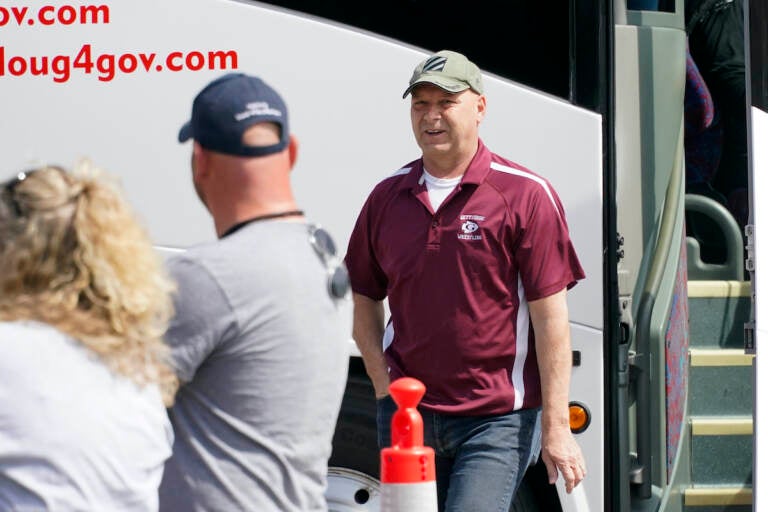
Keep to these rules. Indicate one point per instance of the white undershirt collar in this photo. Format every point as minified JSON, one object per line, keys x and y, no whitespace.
{"x":439,"y":188}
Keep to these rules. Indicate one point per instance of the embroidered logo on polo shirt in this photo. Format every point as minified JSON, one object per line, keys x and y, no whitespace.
{"x":469,"y":226}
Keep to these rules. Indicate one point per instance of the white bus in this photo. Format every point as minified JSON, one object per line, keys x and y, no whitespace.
{"x":588,"y":94}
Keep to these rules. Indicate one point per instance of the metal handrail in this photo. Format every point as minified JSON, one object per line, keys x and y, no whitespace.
{"x":733,"y":267}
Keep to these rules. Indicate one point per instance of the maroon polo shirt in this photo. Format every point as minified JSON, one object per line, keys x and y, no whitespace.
{"x":459,"y":280}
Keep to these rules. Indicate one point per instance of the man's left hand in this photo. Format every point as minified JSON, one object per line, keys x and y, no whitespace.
{"x":561,"y":454}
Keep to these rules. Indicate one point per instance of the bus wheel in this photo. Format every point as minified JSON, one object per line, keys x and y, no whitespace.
{"x":350,"y":490}
{"x":355,"y":441}
{"x":354,"y":464}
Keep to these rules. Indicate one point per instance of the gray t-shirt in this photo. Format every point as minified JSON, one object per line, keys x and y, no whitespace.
{"x":74,"y":436}
{"x":263,"y":352}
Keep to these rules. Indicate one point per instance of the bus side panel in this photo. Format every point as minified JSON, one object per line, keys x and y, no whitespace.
{"x":587,"y":389}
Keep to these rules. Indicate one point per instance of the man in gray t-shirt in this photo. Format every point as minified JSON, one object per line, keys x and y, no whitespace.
{"x":257,"y":341}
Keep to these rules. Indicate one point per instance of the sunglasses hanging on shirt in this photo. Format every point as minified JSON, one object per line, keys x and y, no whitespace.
{"x":338,"y":277}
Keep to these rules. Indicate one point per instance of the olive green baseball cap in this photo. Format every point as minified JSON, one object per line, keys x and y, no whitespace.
{"x":451,"y":71}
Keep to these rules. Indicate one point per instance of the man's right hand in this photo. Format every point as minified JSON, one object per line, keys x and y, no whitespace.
{"x":368,"y":331}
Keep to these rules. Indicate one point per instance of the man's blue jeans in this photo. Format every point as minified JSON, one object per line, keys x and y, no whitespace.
{"x":480,"y":461}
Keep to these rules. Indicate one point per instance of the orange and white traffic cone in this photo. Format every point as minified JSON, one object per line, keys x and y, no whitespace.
{"x":408,"y":467}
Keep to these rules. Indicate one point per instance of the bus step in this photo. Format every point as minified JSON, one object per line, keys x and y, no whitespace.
{"x":721,"y":450}
{"x":720,"y":382}
{"x":720,"y":357}
{"x":717,"y":312}
{"x":718,"y":498}
{"x":721,"y":426}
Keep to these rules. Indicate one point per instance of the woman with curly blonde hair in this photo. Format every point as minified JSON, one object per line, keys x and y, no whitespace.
{"x":84,"y":305}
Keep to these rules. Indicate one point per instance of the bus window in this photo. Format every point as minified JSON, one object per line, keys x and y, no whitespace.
{"x":526,"y":41}
{"x":651,"y":5}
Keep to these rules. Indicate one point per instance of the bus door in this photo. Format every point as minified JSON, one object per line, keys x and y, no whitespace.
{"x":650,"y":46}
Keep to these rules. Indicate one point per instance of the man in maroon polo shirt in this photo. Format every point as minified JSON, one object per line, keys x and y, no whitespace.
{"x":473,"y":253}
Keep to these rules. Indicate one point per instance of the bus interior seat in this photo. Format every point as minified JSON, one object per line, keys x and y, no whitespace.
{"x":714,"y":243}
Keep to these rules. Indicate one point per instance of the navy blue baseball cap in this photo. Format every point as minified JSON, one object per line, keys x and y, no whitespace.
{"x":227,"y":107}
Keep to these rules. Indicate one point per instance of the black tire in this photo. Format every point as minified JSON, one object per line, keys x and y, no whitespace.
{"x":355,"y":444}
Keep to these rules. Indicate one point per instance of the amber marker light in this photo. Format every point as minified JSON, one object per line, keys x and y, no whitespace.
{"x":578,"y":417}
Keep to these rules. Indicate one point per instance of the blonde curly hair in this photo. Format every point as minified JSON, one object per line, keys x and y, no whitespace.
{"x":73,"y":256}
